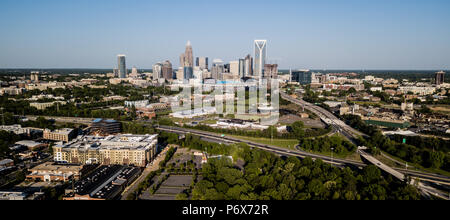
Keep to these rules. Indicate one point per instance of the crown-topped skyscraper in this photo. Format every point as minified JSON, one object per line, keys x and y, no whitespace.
{"x":187,"y":62}
{"x":187,"y":58}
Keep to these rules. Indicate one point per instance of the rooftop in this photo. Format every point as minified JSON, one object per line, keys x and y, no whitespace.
{"x":65,"y":131}
{"x":49,"y":166}
{"x":5,"y":161}
{"x":28,"y":143}
{"x":123,"y":141}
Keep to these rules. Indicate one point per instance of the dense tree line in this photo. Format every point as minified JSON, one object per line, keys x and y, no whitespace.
{"x":87,"y":110}
{"x":335,"y":144}
{"x":88,"y":102}
{"x":295,"y":131}
{"x":137,"y":128}
{"x":421,"y":152}
{"x":6,"y":140}
{"x":268,"y":177}
{"x":436,"y":144}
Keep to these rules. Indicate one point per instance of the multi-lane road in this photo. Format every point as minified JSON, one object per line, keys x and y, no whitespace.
{"x":433,"y":178}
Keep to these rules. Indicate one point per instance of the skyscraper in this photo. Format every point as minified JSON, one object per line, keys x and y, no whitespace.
{"x":234,"y":68}
{"x":122,"y":66}
{"x":187,"y":59}
{"x":202,"y":62}
{"x":134,"y":73}
{"x":217,"y":69}
{"x":187,"y":62}
{"x":167,"y":70}
{"x":241,"y":68}
{"x":440,"y":77}
{"x":248,"y":66}
{"x":303,"y":77}
{"x":260,"y":57}
{"x":157,"y":71}
{"x":270,"y":71}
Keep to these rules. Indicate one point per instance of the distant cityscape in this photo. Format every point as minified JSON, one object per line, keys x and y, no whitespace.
{"x":124,"y":135}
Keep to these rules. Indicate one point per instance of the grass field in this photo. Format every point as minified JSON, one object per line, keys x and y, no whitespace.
{"x":284,"y":143}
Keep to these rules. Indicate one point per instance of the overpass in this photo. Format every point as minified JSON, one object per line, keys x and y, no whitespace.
{"x":382,"y":166}
{"x":327,"y":117}
{"x":432,"y":178}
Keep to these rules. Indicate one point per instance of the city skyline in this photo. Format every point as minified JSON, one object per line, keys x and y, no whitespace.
{"x":399,"y":35}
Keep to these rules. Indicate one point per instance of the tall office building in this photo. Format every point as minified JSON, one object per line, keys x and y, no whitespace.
{"x":202,"y":62}
{"x":248,"y":66}
{"x":187,"y":59}
{"x":122,"y":66}
{"x":270,"y":71}
{"x":241,"y":68}
{"x":303,"y":77}
{"x":134,"y":71}
{"x":157,"y":71}
{"x":217,"y":69}
{"x":187,"y":62}
{"x":180,"y":73}
{"x":260,"y":57}
{"x":234,"y":68}
{"x":440,"y":77}
{"x":167,"y":70}
{"x":188,"y":73}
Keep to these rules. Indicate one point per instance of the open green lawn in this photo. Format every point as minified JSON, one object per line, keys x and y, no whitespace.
{"x":291,"y":144}
{"x":353,"y":156}
{"x":209,"y":122}
{"x":284,"y":143}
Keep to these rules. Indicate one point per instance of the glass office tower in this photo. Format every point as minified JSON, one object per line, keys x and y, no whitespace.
{"x":260,"y":57}
{"x":122,"y":66}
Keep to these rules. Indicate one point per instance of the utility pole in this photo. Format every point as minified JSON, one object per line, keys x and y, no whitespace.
{"x":271,"y":137}
{"x":3,"y":117}
{"x":332,"y":159}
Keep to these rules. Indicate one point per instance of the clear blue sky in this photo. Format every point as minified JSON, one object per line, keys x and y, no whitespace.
{"x":316,"y":34}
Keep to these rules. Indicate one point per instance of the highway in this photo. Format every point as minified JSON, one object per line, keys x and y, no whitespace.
{"x":84,"y":121}
{"x":333,"y":121}
{"x":353,"y":134}
{"x":327,"y":117}
{"x":433,"y":178}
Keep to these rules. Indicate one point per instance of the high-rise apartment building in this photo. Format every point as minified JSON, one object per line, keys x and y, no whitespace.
{"x":122,"y":66}
{"x":440,"y":77}
{"x":260,"y":57}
